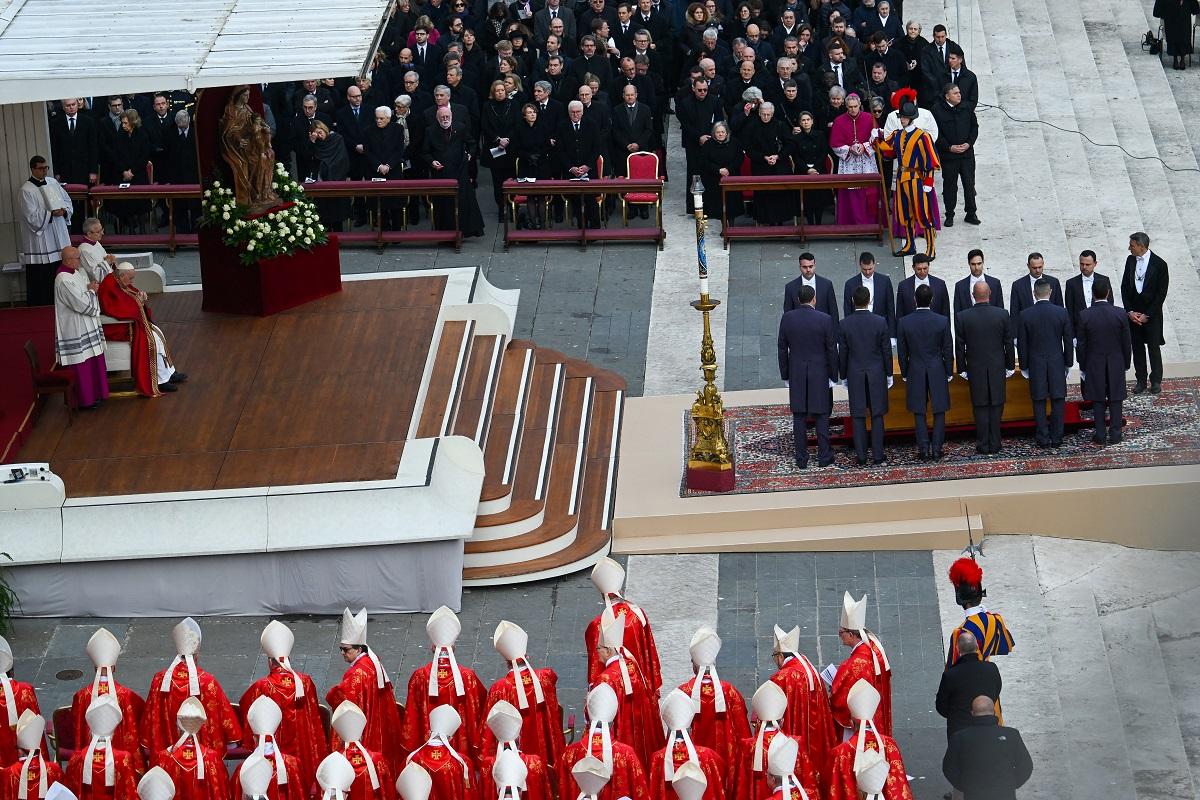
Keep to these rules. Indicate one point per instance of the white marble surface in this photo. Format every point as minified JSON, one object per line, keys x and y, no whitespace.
{"x":678,"y":594}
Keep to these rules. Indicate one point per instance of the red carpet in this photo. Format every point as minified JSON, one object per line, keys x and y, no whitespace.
{"x":1161,"y":430}
{"x":17,"y":326}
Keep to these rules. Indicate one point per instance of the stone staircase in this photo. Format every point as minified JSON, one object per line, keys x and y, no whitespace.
{"x":1102,"y":684}
{"x":1079,"y":66}
{"x":548,"y":426}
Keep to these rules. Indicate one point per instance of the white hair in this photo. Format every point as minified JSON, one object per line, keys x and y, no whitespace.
{"x":383,"y":110}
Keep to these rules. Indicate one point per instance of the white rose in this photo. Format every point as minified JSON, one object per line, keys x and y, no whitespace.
{"x":291,"y":238}
{"x":208,"y":192}
{"x":225,"y":215}
{"x":258,"y":234}
{"x":307,"y":240}
{"x":250,"y":246}
{"x":216,"y":183}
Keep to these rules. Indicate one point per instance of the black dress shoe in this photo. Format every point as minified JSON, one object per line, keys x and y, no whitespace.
{"x":938,"y":454}
{"x":923,"y":455}
{"x":983,"y":451}
{"x":1098,"y":440}
{"x":825,"y":463}
{"x":862,"y":462}
{"x":879,"y":461}
{"x":1139,"y":387}
{"x":1057,"y":444}
{"x":971,"y":219}
{"x":168,"y":387}
{"x":178,"y":377}
{"x":949,"y":223}
{"x":801,"y":465}
{"x":1115,"y":438}
{"x":1155,"y":388}
{"x":1044,"y":445}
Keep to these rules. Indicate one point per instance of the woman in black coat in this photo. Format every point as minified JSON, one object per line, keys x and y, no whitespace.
{"x":531,"y":148}
{"x":721,"y":156}
{"x":383,"y":155}
{"x":128,"y":153}
{"x":1176,"y":16}
{"x":765,"y":140}
{"x":333,"y":164}
{"x":499,"y":121}
{"x":911,"y":45}
{"x":810,"y":151}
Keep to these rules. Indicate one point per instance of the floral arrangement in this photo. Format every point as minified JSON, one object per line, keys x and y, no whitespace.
{"x":280,"y":232}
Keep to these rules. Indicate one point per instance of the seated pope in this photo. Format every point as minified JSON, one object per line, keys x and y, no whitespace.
{"x":153,"y":370}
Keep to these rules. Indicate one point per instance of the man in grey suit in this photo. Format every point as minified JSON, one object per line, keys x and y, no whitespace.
{"x":1044,"y":345}
{"x":926,"y":352}
{"x":983,"y":343}
{"x":865,"y":351}
{"x":826,"y":300}
{"x":1105,"y":349}
{"x":808,"y":361}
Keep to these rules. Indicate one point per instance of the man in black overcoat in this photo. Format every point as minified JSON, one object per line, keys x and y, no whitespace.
{"x":447,"y":149}
{"x":865,"y":351}
{"x":985,"y":760}
{"x":1143,"y":292}
{"x":577,"y":146}
{"x":963,"y":681}
{"x":1046,"y":352}
{"x":984,"y":349}
{"x":926,"y":353}
{"x":808,"y":361}
{"x":1104,"y":347}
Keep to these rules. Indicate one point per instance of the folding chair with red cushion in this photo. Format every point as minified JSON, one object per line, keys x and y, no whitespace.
{"x":50,"y":381}
{"x":63,"y":734}
{"x":237,"y":751}
{"x":641,"y":166}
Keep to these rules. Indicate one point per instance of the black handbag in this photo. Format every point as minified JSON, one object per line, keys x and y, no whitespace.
{"x":1152,"y":44}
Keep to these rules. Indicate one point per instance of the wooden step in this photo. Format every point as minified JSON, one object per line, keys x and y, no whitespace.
{"x":559,"y":518}
{"x":592,"y":538}
{"x":446,"y":380}
{"x":474,"y":413}
{"x":509,"y":410}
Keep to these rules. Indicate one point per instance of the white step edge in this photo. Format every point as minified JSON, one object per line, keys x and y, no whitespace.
{"x":522,"y":554}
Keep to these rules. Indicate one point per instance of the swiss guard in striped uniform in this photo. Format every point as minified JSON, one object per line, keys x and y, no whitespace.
{"x":917,"y":160}
{"x":987,"y":626}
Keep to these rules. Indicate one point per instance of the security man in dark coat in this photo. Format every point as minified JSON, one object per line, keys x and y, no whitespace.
{"x":865,"y":351}
{"x":986,"y":761}
{"x":984,"y":350}
{"x":1045,"y":348}
{"x":905,"y":301}
{"x":808,"y":361}
{"x":926,"y":352}
{"x":1144,"y":286}
{"x":963,"y":681}
{"x":826,"y":300}
{"x":1105,"y":348}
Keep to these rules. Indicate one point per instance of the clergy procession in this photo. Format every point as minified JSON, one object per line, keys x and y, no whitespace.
{"x":806,"y":734}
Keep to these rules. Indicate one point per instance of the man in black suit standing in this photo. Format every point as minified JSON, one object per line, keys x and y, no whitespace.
{"x":986,"y":759}
{"x":984,"y":347}
{"x":962,"y":682}
{"x":965,"y":288}
{"x":1044,"y":346}
{"x":883,"y":299}
{"x":958,"y":129}
{"x":75,"y":149}
{"x":844,"y":70}
{"x":427,"y":58}
{"x":935,"y":66}
{"x":926,"y":354}
{"x":1143,"y":292}
{"x":906,"y":302}
{"x":182,"y":167}
{"x":963,"y":78}
{"x":632,"y":131}
{"x":696,"y":111}
{"x":1079,"y":290}
{"x":1105,"y":348}
{"x":578,"y":147}
{"x":1020,"y":296}
{"x":808,"y":361}
{"x":865,"y":350}
{"x":351,"y":122}
{"x":826,"y":300}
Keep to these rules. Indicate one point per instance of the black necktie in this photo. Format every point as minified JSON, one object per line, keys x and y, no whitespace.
{"x":632,"y":111}
{"x":577,"y":127}
{"x":356,"y":113}
{"x":554,"y":13}
{"x":183,"y":134}
{"x":942,"y":52}
{"x":624,"y":28}
{"x":955,"y":78}
{"x":71,"y":124}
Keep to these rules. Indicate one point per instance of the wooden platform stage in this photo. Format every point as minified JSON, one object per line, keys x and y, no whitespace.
{"x":323,"y":393}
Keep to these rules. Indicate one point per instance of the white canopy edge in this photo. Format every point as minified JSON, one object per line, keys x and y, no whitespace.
{"x":51,"y":49}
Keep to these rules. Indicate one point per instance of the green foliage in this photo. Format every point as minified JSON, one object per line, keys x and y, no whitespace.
{"x":9,"y":602}
{"x":281,"y":232}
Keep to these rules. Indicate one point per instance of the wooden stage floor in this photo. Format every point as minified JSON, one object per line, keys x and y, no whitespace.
{"x":319,"y":394}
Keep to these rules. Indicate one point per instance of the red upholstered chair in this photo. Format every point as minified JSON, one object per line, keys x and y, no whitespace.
{"x":63,"y":734}
{"x":599,"y":173}
{"x":747,"y":195}
{"x":48,"y":382}
{"x":641,"y":166}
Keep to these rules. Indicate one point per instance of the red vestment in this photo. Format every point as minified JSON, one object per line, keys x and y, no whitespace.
{"x":541,"y":723}
{"x":751,"y":784}
{"x":794,"y":794}
{"x":159,"y":730}
{"x":537,"y":782}
{"x":808,"y":718}
{"x":470,"y":706}
{"x":292,"y":790}
{"x":842,"y":785}
{"x":383,"y":731}
{"x":126,"y":773}
{"x":710,"y":763}
{"x":639,"y":641}
{"x":124,"y":304}
{"x":127,"y":736}
{"x":24,"y":698}
{"x":449,"y":782}
{"x":181,"y":764}
{"x":10,"y":779}
{"x":860,"y":665}
{"x":628,"y":774}
{"x":637,"y":723}
{"x":721,"y":732}
{"x":361,"y":789}
{"x":300,"y":733}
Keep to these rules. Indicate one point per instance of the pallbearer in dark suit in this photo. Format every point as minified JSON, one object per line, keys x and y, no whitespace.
{"x":1021,"y":295}
{"x":1143,"y":292}
{"x":926,"y":352}
{"x":808,"y":361}
{"x":963,"y":290}
{"x":1078,"y":292}
{"x":1105,"y":350}
{"x":826,"y":300}
{"x":1044,"y":346}
{"x":883,"y":299}
{"x":983,"y":342}
{"x":906,"y":302}
{"x":865,"y":352}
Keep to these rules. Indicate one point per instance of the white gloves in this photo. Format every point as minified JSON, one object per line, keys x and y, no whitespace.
{"x":890,"y":381}
{"x":1025,"y":374}
{"x":1008,"y":373}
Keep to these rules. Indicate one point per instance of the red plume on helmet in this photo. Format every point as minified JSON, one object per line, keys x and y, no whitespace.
{"x":900,"y":95}
{"x":967,"y":577}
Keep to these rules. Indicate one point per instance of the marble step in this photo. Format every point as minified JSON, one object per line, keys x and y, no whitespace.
{"x":1178,"y":628}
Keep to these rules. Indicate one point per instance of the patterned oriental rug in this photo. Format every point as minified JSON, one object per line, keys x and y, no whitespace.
{"x":1160,"y":430}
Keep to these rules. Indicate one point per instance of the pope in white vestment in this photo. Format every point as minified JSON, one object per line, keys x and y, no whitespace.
{"x":45,"y":215}
{"x":78,"y":339}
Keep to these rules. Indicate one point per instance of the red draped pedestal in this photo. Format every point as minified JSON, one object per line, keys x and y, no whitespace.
{"x":267,"y":286}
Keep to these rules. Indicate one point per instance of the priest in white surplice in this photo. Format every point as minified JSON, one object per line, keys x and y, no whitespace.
{"x":78,"y":339}
{"x":45,"y":215}
{"x":96,"y":260}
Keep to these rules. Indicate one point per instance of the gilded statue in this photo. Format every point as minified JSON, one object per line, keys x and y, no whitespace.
{"x":246,"y":148}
